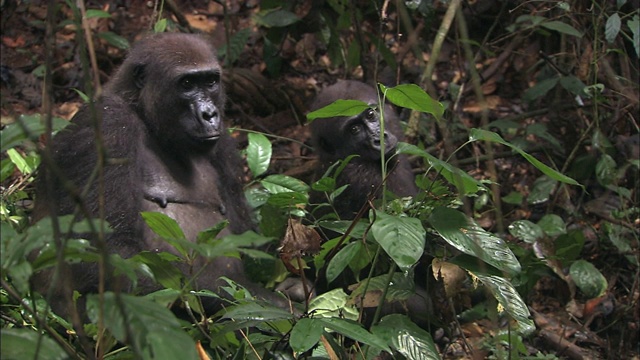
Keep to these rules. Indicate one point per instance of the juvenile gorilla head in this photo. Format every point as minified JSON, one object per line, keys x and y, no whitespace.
{"x":336,"y":138}
{"x":177,"y":92}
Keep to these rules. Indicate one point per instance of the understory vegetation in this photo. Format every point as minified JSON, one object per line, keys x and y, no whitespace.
{"x":521,"y":124}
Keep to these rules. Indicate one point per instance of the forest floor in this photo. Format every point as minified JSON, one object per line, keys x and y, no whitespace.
{"x":568,"y":325}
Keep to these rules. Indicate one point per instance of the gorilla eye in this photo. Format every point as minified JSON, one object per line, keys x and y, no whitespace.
{"x":354,"y":129}
{"x":212,"y":80}
{"x":187,"y":84}
{"x":370,"y":114}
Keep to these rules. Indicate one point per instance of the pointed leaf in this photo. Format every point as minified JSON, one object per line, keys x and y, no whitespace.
{"x":305,"y":334}
{"x":510,"y":300}
{"x":258,"y":154}
{"x":412,"y":96}
{"x":354,"y":331}
{"x":588,"y":279}
{"x":339,"y":108}
{"x":479,"y":134}
{"x":612,"y":28}
{"x":151,"y":330}
{"x":406,"y":337}
{"x":402,"y":238}
{"x":465,"y":235}
{"x":561,"y":27}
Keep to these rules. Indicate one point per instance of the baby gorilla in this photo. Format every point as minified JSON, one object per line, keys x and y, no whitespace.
{"x":336,"y":138}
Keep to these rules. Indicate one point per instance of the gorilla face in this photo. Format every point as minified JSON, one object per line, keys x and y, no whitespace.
{"x":360,"y":135}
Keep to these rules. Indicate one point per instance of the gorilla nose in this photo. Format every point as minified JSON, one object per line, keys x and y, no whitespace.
{"x":208,"y":113}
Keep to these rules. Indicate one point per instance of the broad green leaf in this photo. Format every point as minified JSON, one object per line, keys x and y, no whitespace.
{"x":402,"y":238}
{"x":341,"y":260}
{"x":552,"y":225}
{"x":151,"y":330}
{"x":612,"y":28}
{"x":167,"y":228}
{"x":526,"y":231}
{"x":465,"y":235}
{"x":305,"y":334}
{"x":339,"y":108}
{"x":164,"y":272}
{"x":412,"y":96}
{"x":283,"y":184}
{"x":406,"y":337}
{"x":588,"y":279}
{"x":288,"y":199}
{"x":333,"y":304}
{"x":606,"y":170}
{"x":13,"y":134}
{"x":479,"y":134}
{"x":275,"y":18}
{"x":258,"y":154}
{"x":401,"y":287}
{"x":355,"y":331}
{"x":95,"y":13}
{"x":160,"y":26}
{"x":20,"y":162}
{"x":114,"y":39}
{"x":25,"y":343}
{"x":256,"y":310}
{"x":510,"y":300}
{"x":574,"y":85}
{"x":163,"y":225}
{"x":237,"y":44}
{"x":541,"y":190}
{"x":464,"y":182}
{"x":561,"y":27}
{"x":540,"y":89}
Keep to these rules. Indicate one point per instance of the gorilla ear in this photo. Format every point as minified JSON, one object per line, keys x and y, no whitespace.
{"x":138,"y":76}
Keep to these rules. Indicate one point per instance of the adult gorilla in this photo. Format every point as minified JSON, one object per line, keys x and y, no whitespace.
{"x":167,"y":151}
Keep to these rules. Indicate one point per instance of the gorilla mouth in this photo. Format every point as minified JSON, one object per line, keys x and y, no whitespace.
{"x":208,"y":138}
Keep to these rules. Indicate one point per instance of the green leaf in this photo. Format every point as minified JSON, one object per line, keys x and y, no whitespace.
{"x":540,"y":89}
{"x":510,"y":300}
{"x":355,"y":331}
{"x":13,"y":134}
{"x":160,"y":26}
{"x":541,"y":190}
{"x":553,"y":225}
{"x":411,"y":96}
{"x":406,"y":337}
{"x":163,"y":225}
{"x":479,"y":134}
{"x":612,"y":28}
{"x":282,"y":184}
{"x":464,"y":182}
{"x":574,"y":85}
{"x":339,"y":108}
{"x":151,"y":330}
{"x":588,"y":279}
{"x":288,"y":199}
{"x":465,"y":235}
{"x":305,"y":334}
{"x":275,"y":18}
{"x":333,"y":304}
{"x":25,"y":343}
{"x":606,"y":170}
{"x":342,"y":259}
{"x":163,"y":270}
{"x":258,"y":153}
{"x":256,"y":310}
{"x":167,"y":228}
{"x":114,"y":39}
{"x":561,"y":27}
{"x":95,"y":13}
{"x":237,"y":43}
{"x":402,"y":238}
{"x":526,"y":231}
